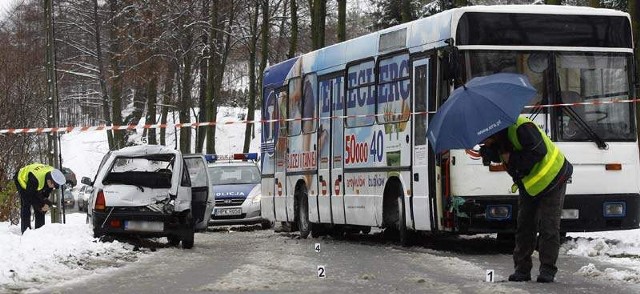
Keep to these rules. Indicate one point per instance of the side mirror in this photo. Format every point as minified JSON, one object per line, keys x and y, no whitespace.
{"x":451,"y":69}
{"x":86,"y":181}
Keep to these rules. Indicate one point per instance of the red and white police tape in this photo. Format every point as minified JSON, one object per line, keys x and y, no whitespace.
{"x":202,"y":124}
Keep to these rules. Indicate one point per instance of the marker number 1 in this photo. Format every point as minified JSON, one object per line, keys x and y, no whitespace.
{"x":489,"y":276}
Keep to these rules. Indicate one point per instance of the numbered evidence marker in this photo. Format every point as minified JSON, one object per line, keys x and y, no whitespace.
{"x":489,"y":276}
{"x":321,"y":272}
{"x":317,"y":247}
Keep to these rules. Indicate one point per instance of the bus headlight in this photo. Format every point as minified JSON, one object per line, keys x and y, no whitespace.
{"x":498,"y":212}
{"x":614,"y":209}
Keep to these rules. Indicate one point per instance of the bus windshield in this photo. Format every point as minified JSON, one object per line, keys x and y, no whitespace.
{"x":579,"y":77}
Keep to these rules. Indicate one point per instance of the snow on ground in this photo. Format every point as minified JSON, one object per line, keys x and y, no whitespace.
{"x":55,"y":253}
{"x":620,"y":249}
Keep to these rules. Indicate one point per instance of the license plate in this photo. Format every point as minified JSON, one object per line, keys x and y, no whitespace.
{"x":143,"y":226}
{"x":228,"y":211}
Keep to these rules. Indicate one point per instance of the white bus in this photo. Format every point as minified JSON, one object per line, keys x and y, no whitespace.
{"x":344,"y":142}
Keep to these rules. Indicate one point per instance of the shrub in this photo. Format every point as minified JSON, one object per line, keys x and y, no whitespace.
{"x":7,"y":189}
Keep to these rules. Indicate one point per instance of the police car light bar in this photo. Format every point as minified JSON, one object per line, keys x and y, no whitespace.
{"x":237,"y":156}
{"x":246,"y":156}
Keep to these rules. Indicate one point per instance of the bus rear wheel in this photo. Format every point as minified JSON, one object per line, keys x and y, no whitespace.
{"x":303,"y":213}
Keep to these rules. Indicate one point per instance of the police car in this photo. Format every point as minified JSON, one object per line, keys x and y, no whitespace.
{"x":235,"y":180}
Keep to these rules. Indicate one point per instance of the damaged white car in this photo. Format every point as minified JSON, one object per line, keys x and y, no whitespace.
{"x":150,"y":191}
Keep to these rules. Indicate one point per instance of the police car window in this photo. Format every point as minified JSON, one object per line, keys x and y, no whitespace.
{"x":227,"y":175}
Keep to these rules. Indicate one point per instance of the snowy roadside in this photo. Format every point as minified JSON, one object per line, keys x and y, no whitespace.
{"x":619,"y":249}
{"x":57,"y":253}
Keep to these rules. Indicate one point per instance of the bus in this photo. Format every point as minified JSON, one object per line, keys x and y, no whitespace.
{"x":344,"y":144}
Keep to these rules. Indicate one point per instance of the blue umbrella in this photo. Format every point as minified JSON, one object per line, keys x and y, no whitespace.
{"x":479,"y":109}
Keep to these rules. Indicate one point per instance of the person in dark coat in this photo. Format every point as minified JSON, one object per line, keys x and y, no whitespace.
{"x":540,"y":172}
{"x":34,"y":183}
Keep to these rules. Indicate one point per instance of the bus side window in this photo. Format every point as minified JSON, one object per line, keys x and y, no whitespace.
{"x":309,"y":102}
{"x":360,"y":98}
{"x":282,"y":112}
{"x":295,"y":107}
{"x":394,"y":91}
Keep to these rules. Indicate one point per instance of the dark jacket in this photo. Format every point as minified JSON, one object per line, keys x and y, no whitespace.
{"x":37,"y":197}
{"x":521,"y":162}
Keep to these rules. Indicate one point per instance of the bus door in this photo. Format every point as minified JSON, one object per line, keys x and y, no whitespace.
{"x":269,"y":138}
{"x":325,"y":94}
{"x":279,"y":201}
{"x":337,"y":149}
{"x":422,"y":154}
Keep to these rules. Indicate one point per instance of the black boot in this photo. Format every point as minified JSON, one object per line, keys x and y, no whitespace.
{"x":545,"y":277}
{"x":520,"y":277}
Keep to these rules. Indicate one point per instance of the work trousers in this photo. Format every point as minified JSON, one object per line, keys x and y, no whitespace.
{"x":539,"y":214}
{"x":25,"y":211}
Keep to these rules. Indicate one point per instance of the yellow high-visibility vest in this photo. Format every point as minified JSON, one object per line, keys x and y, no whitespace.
{"x":39,"y":170}
{"x":543,"y":172}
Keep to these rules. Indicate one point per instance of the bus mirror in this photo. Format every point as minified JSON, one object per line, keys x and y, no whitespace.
{"x":451,"y":68}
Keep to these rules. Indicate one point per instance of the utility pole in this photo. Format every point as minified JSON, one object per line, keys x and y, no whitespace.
{"x":53,"y":115}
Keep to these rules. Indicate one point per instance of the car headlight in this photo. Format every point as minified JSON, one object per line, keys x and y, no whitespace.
{"x":256,"y":199}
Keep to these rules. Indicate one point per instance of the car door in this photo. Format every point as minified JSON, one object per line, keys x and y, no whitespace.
{"x":202,"y":197}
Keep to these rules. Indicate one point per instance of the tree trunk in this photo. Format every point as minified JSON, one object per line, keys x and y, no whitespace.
{"x":252,"y":74}
{"x":318,"y":15}
{"x":293,"y":41}
{"x":264,"y":53}
{"x":322,"y":18}
{"x":201,"y":133}
{"x":116,"y":84}
{"x":167,"y":92}
{"x":460,"y":3}
{"x":405,"y":10}
{"x":342,"y":20}
{"x":185,"y":97}
{"x":152,"y":99}
{"x":595,"y":3}
{"x":139,"y":98}
{"x":210,"y":102}
{"x":101,"y":75}
{"x":553,"y":2}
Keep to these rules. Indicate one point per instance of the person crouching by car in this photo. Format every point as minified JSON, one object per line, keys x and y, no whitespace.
{"x":34,"y":183}
{"x":540,"y":172}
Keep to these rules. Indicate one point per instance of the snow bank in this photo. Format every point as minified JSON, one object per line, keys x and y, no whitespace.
{"x":620,"y":249}
{"x":55,"y":253}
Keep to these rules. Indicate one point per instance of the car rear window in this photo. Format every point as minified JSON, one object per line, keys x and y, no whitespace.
{"x":152,"y":171}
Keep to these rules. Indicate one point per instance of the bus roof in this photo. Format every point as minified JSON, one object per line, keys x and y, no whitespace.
{"x":418,"y":35}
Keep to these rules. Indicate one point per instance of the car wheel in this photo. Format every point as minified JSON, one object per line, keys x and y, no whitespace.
{"x":303,"y":214}
{"x":366,"y":230}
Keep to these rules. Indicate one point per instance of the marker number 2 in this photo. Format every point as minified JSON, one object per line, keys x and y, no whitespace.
{"x":321,"y":272}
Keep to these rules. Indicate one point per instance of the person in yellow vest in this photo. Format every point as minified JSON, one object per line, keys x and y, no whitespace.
{"x":540,"y":172}
{"x":34,"y":183}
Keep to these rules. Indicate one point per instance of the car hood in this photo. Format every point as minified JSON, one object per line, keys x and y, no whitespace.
{"x":127,"y":195}
{"x":235,"y":191}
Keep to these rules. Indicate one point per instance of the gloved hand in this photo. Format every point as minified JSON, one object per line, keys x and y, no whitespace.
{"x":489,"y":155}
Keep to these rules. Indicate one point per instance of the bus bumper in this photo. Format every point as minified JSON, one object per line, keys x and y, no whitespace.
{"x":581,"y":213}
